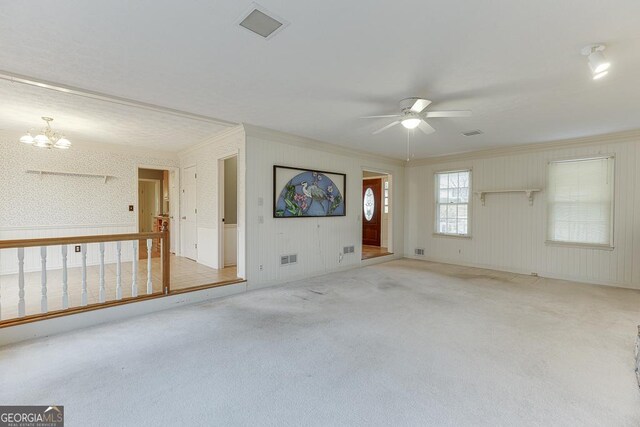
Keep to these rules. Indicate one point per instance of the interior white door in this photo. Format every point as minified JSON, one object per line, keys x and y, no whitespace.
{"x":189,"y":212}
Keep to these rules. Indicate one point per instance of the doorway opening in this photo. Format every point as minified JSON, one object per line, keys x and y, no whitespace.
{"x":377,"y":229}
{"x":228,"y":213}
{"x":154,"y":205}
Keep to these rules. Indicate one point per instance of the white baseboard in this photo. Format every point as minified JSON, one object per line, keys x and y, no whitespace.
{"x":544,"y":274}
{"x":252,"y":284}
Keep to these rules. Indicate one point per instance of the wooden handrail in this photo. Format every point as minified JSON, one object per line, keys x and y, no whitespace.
{"x":51,"y":241}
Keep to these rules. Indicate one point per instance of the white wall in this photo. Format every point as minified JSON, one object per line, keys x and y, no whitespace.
{"x":54,"y":206}
{"x":205,"y":156}
{"x":317,"y":241}
{"x":508,"y":234}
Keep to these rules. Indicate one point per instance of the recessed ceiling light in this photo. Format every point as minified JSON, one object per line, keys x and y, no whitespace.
{"x":262,"y":22}
{"x":473,"y":132}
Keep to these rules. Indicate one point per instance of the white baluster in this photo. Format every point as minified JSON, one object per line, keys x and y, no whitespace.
{"x":65,"y":290}
{"x":119,"y":270}
{"x":101,"y":294}
{"x":21,"y":308}
{"x":134,"y":269}
{"x":43,"y":279}
{"x":84,"y":273}
{"x":149,"y":284}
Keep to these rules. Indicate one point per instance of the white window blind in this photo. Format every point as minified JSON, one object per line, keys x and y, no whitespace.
{"x":452,"y":202}
{"x":580,"y":201}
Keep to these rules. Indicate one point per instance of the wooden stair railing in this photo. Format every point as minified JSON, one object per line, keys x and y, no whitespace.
{"x":45,"y":243}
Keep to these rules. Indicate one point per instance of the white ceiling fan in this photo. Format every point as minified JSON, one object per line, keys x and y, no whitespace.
{"x":412,"y":115}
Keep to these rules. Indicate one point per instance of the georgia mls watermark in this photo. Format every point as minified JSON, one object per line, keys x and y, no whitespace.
{"x":31,"y":416}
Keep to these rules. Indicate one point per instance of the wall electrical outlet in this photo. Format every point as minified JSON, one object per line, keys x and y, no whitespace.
{"x":77,"y":248}
{"x":130,"y":208}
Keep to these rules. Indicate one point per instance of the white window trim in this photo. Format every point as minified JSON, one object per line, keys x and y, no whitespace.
{"x":436,"y":192}
{"x":581,"y":245}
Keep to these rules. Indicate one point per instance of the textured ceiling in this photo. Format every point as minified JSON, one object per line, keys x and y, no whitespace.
{"x":91,"y":120}
{"x":516,"y":64}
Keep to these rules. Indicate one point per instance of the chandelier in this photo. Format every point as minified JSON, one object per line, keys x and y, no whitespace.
{"x":47,"y":138}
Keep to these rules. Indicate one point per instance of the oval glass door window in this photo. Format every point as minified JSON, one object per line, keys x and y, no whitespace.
{"x":369,"y":203}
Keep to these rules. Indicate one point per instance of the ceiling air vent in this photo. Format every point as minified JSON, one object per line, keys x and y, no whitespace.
{"x":261,"y":22}
{"x":473,"y":132}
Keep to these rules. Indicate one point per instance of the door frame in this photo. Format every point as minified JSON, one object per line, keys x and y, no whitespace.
{"x":173,"y":197}
{"x":221,"y":159}
{"x":384,"y":173}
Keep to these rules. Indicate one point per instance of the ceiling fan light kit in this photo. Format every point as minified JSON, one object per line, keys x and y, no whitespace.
{"x":412,"y":115}
{"x":411,"y":123}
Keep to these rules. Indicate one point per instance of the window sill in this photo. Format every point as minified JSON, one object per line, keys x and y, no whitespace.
{"x":454,"y":236}
{"x":579,"y":245}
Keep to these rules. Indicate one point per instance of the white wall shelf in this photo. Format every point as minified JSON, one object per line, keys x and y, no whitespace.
{"x":529,"y":192}
{"x":105,"y":177}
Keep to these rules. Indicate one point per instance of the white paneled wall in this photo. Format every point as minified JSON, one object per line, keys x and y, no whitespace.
{"x":318,"y":242}
{"x":508,"y":234}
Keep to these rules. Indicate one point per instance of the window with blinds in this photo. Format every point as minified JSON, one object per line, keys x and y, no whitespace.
{"x":452,"y":202}
{"x":580,"y":201}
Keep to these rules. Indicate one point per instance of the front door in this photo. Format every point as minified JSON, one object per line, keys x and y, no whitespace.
{"x":189,"y":213}
{"x":371,"y":218}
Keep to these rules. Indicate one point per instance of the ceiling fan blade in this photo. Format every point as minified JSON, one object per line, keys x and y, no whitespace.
{"x":386,"y":127}
{"x":420,"y":105}
{"x":380,"y":117}
{"x":460,"y":113}
{"x":426,"y":127}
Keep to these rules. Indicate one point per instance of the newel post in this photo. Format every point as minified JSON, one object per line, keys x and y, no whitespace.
{"x":166,"y":259}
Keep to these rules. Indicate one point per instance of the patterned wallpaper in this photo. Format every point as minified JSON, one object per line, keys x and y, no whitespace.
{"x":30,"y":200}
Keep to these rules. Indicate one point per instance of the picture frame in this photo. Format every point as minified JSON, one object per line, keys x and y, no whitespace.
{"x":308,"y":193}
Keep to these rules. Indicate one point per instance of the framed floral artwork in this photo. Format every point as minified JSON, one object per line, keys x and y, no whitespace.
{"x":299,"y":193}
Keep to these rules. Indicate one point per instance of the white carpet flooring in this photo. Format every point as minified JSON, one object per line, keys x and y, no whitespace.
{"x":400,"y":343}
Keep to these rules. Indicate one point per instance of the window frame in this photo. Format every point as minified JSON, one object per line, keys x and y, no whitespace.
{"x":437,"y":204}
{"x":603,"y":246}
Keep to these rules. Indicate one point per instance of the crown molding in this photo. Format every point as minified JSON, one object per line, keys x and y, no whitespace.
{"x":609,"y":138}
{"x":86,"y":93}
{"x":225,"y":133}
{"x":304,"y":142}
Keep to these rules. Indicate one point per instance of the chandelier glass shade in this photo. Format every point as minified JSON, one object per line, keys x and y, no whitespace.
{"x":47,"y":138}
